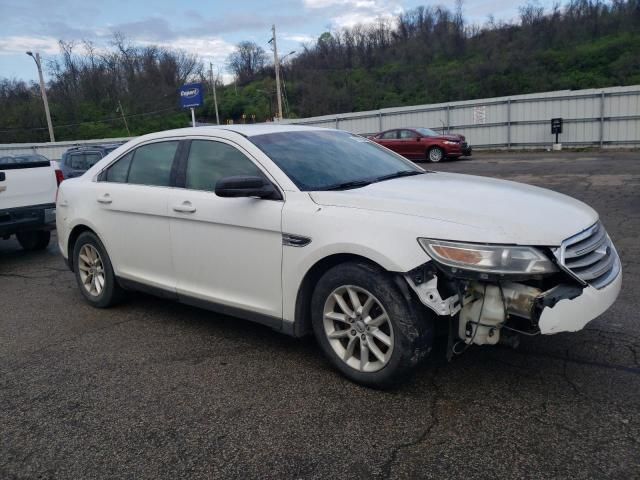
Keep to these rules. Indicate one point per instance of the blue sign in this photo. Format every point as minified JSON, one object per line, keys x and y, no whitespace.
{"x":191,"y":95}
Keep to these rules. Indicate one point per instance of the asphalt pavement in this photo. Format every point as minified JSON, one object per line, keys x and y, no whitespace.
{"x":155,"y":389}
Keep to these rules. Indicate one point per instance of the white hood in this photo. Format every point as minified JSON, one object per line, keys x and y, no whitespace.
{"x":497,"y":211}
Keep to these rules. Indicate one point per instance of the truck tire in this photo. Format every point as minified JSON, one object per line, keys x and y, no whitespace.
{"x":94,"y":273}
{"x":365,"y":325}
{"x":34,"y":240}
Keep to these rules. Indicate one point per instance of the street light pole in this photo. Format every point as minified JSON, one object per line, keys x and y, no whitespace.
{"x":43,"y":92}
{"x":124,"y":119}
{"x":215,"y":98}
{"x":277,"y":66}
{"x":284,"y":85}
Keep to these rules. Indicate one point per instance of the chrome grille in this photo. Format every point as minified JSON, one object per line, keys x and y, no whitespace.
{"x":590,"y":256}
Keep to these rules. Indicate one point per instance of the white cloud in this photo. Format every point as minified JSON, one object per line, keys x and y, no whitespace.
{"x":348,"y":13}
{"x":338,"y":3}
{"x":213,"y":49}
{"x":298,"y":37}
{"x":21,"y":44}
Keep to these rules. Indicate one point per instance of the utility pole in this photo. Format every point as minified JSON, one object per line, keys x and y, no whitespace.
{"x":215,"y":98}
{"x":277,"y":66}
{"x":124,"y":119}
{"x":43,"y":92}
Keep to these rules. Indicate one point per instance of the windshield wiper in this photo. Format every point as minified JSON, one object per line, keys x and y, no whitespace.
{"x":348,"y":185}
{"x":401,"y":173}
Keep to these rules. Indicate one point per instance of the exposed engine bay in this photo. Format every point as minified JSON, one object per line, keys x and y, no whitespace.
{"x":487,"y":310}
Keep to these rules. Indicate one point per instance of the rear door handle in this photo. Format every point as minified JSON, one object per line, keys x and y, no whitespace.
{"x":184,"y":207}
{"x":106,"y":198}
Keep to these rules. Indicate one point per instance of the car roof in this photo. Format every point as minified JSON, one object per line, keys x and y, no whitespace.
{"x":84,"y":148}
{"x":248,"y":130}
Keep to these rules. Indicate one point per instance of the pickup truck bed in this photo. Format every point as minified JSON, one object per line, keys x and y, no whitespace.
{"x":27,"y":201}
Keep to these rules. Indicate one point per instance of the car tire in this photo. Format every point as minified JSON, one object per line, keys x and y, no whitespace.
{"x":94,"y":272}
{"x":390,"y":348}
{"x":435,"y":155}
{"x":34,"y":240}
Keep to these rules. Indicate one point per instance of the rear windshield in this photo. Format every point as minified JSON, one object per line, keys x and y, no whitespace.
{"x":427,"y":132}
{"x":23,"y":161}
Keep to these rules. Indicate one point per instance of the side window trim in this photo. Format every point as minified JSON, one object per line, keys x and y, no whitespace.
{"x":133,"y":155}
{"x":180,"y":167}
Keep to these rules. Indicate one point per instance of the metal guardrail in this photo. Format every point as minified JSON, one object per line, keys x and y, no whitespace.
{"x":608,"y":117}
{"x":588,"y":101}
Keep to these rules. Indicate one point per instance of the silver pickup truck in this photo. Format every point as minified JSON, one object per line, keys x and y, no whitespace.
{"x":28,"y":189}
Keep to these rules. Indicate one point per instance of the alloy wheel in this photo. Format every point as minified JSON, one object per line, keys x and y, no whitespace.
{"x":358,"y":328}
{"x":91,"y":268}
{"x":435,"y":155}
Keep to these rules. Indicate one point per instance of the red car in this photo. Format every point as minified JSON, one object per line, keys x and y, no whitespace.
{"x":423,"y":143}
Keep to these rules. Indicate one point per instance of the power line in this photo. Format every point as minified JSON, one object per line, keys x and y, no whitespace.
{"x":105,"y":120}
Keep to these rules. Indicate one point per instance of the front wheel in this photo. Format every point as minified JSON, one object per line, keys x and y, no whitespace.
{"x":435,"y":154}
{"x":366,"y":327}
{"x":34,"y":240}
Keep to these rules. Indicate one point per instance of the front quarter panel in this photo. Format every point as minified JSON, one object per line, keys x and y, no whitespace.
{"x":390,"y":240}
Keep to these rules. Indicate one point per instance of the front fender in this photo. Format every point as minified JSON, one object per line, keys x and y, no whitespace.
{"x":386,"y":239}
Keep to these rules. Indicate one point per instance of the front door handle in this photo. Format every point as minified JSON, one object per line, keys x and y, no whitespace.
{"x":106,"y":199}
{"x":184,"y":207}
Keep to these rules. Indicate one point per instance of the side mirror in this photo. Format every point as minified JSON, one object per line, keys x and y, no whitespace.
{"x":245,"y":187}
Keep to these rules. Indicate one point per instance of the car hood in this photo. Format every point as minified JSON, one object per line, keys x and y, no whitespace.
{"x":452,"y":137}
{"x":471,"y":208}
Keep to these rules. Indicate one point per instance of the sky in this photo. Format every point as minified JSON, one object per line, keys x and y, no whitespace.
{"x":209,"y":29}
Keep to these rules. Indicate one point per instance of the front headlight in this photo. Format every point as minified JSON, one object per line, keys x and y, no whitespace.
{"x":500,"y":259}
{"x":448,"y":142}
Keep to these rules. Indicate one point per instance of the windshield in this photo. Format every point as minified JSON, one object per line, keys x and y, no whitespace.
{"x":322,"y":160}
{"x":427,"y":132}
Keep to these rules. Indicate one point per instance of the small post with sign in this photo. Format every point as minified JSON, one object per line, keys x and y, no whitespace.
{"x":191,"y":97}
{"x":556,"y":129}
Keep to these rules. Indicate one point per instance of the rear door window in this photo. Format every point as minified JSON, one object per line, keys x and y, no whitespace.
{"x":407,"y":135}
{"x":151,"y":164}
{"x":391,"y":135}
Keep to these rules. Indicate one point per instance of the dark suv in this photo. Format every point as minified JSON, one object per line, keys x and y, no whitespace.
{"x":77,"y":160}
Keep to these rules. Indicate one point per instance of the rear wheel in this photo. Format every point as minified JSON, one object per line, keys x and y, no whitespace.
{"x":94,"y":273}
{"x":366,"y":327}
{"x":35,"y":240}
{"x":435,"y":154}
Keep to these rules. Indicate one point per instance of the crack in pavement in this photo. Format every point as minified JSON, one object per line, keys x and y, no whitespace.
{"x":386,"y":467}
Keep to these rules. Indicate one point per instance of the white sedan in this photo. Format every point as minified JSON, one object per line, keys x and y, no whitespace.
{"x":316,"y":230}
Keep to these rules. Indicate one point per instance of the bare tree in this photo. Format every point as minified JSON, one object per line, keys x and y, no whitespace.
{"x":248,"y":59}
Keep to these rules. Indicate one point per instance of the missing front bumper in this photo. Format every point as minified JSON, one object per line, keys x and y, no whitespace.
{"x":573,"y":315}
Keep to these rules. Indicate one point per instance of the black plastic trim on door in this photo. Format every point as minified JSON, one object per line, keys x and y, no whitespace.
{"x":179,"y":171}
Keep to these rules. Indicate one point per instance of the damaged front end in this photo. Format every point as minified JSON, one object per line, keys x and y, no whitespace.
{"x":494,"y":293}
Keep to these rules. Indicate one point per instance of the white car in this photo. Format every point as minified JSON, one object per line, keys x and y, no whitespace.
{"x":317,"y":230}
